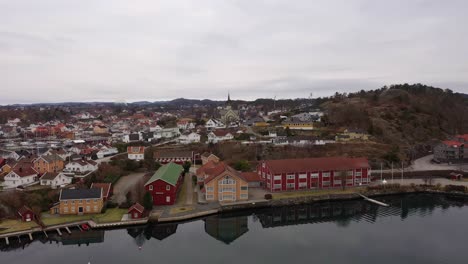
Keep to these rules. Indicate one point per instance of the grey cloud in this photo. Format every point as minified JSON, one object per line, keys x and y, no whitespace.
{"x":114,"y":50}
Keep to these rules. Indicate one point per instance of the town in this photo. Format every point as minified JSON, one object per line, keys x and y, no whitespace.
{"x":106,"y":165}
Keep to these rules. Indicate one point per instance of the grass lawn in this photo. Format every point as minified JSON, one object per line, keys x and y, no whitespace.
{"x":111,"y":215}
{"x":49,"y":220}
{"x":177,"y":210}
{"x":9,"y":225}
{"x":295,"y":194}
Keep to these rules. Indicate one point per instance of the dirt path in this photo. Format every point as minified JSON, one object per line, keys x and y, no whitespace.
{"x":189,"y":190}
{"x":124,"y":185}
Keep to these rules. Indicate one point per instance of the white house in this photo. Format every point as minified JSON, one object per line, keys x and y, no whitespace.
{"x":20,"y":176}
{"x":7,"y":154}
{"x":184,"y":125}
{"x":219,"y":135}
{"x":214,"y":123}
{"x":136,"y":152}
{"x":104,"y":152}
{"x":155,"y":128}
{"x":55,"y":179}
{"x":81,"y":166}
{"x":189,"y":138}
{"x":168,"y":132}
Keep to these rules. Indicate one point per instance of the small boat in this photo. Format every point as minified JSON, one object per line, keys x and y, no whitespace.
{"x":85,"y":227}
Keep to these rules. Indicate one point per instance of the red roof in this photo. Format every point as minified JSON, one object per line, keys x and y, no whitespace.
{"x":209,"y":165}
{"x":136,"y":149}
{"x":452,"y":143}
{"x":24,"y":171}
{"x":24,"y":210}
{"x":316,"y":164}
{"x":104,"y":186}
{"x":464,"y":137}
{"x":251,"y":176}
{"x":221,"y":133}
{"x":137,"y":207}
{"x":222,"y":167}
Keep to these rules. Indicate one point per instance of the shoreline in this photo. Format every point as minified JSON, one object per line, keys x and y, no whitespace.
{"x":228,"y":208}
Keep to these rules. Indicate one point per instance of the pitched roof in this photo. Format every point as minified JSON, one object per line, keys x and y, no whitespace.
{"x":106,"y":187}
{"x":464,"y":137}
{"x":137,"y":207}
{"x":24,"y":209}
{"x":251,"y":176}
{"x":452,"y":143}
{"x":221,"y":168}
{"x":136,"y":149}
{"x":73,"y":194}
{"x":49,"y":175}
{"x":221,"y":132}
{"x":207,"y":166}
{"x":24,"y":171}
{"x":169,"y":173}
{"x":316,"y":164}
{"x":51,"y":158}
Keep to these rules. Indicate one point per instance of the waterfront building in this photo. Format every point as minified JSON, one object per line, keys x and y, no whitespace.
{"x":79,"y":202}
{"x":165,"y":183}
{"x":313,"y":173}
{"x":224,"y":184}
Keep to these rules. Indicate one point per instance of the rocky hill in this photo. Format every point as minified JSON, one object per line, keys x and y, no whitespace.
{"x":401,"y":115}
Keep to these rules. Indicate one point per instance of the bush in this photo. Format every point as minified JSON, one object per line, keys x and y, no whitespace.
{"x":455,"y":188}
{"x":111,"y":204}
{"x":268,"y":196}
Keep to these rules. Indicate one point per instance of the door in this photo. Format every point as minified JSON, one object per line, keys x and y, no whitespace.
{"x":80,"y":210}
{"x":168,"y":199}
{"x":135,"y":215}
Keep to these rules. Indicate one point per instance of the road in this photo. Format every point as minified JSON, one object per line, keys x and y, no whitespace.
{"x":425,"y":164}
{"x":435,"y":181}
{"x":124,"y":185}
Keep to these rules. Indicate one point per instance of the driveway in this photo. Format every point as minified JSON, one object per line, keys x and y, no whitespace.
{"x":424,"y":163}
{"x":124,"y":185}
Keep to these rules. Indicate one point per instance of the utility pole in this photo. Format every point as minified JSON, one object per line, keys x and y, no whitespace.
{"x":402,"y":169}
{"x":381,"y":178}
{"x":392,"y":171}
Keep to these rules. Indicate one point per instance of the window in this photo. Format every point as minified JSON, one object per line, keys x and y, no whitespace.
{"x":314,"y":175}
{"x":150,"y":187}
{"x":81,"y":201}
{"x":277,"y":186}
{"x":350,"y":173}
{"x":337,"y":182}
{"x":244,"y":196}
{"x":357,"y":181}
{"x":290,"y":185}
{"x":95,"y":200}
{"x":168,"y":187}
{"x":358,"y":173}
{"x":88,"y":201}
{"x":65,"y":209}
{"x":268,"y":176}
{"x":303,"y":176}
{"x":303,"y":185}
{"x":209,"y":197}
{"x":95,"y":208}
{"x":209,"y":189}
{"x":73,"y":209}
{"x":277,"y":177}
{"x":325,"y":174}
{"x":88,"y":208}
{"x":326,"y":183}
{"x":290,"y":177}
{"x":65,"y":202}
{"x":243,"y":188}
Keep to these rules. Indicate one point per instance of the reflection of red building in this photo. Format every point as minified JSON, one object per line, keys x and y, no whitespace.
{"x":313,"y":173}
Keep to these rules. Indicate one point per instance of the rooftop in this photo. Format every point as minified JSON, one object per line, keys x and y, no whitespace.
{"x":316,"y":164}
{"x":74,"y":194}
{"x":169,"y":173}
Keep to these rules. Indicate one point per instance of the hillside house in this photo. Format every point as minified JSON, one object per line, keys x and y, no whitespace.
{"x":55,"y":179}
{"x":136,"y":152}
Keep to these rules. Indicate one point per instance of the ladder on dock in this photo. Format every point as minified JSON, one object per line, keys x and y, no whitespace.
{"x":374,"y":201}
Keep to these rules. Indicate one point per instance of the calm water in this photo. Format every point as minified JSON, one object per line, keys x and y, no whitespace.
{"x":416,"y":229}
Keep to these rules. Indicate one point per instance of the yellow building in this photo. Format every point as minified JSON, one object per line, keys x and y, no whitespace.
{"x":49,"y":163}
{"x":351,"y":135}
{"x":99,"y":129}
{"x":226,"y":185}
{"x":79,"y":202}
{"x":297,"y":124}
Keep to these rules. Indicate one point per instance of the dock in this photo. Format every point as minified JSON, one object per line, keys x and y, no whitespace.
{"x":374,"y":201}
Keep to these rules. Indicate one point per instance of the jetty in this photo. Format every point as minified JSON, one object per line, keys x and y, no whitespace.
{"x":373,"y":201}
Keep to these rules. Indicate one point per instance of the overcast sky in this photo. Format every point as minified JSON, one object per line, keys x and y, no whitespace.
{"x":116,"y":50}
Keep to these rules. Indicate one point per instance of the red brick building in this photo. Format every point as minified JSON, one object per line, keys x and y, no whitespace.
{"x":313,"y":173}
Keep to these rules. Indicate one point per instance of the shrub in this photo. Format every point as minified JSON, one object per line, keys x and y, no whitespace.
{"x":455,"y":188}
{"x":111,"y":204}
{"x":268,"y":196}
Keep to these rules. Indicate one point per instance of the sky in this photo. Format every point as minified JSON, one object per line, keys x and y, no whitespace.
{"x":124,"y":51}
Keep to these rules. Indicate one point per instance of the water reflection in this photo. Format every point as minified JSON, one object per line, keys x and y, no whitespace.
{"x":228,"y":228}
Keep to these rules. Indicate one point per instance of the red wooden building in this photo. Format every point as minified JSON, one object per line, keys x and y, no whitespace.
{"x":165,"y":183}
{"x":26,"y":214}
{"x":136,"y":211}
{"x":313,"y":173}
